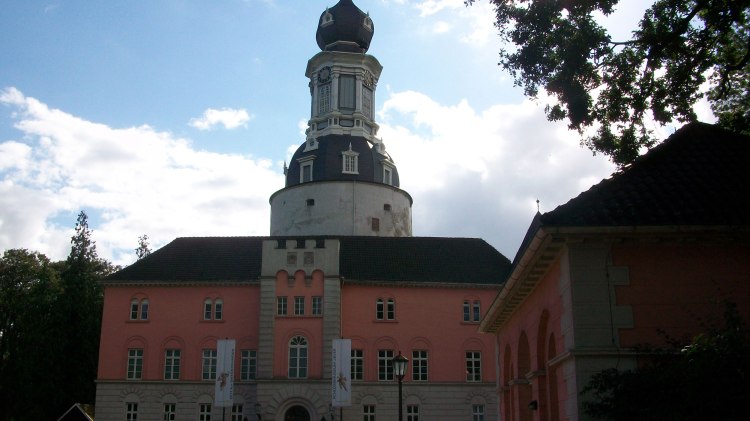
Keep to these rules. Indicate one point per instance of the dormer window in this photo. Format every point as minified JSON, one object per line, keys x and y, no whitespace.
{"x":368,"y":22}
{"x":387,"y":175}
{"x":350,"y":161}
{"x":326,"y":19}
{"x":306,"y":169}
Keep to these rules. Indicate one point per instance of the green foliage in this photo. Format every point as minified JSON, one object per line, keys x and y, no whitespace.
{"x":143,"y":248}
{"x":707,"y":379}
{"x":50,"y":322}
{"x":616,"y":86}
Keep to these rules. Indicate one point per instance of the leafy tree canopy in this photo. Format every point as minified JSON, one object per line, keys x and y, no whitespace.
{"x":616,"y":86}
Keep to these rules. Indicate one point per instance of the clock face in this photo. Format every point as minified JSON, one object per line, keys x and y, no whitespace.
{"x":324,"y":75}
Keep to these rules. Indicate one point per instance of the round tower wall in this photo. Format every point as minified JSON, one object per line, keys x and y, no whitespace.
{"x":341,"y":208}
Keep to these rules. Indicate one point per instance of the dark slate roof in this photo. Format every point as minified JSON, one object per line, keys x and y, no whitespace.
{"x":422,"y":259}
{"x":328,"y":163}
{"x":199,"y":259}
{"x":409,"y":259}
{"x":699,"y":176}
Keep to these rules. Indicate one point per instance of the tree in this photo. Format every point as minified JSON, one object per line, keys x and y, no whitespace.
{"x":143,"y":248}
{"x":613,"y":87}
{"x":706,"y":379}
{"x":29,"y":288}
{"x":79,"y":312}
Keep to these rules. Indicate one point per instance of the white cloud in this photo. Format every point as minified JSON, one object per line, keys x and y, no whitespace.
{"x":227,"y":117}
{"x":475,"y":24}
{"x":479,"y":172}
{"x":135,"y":180}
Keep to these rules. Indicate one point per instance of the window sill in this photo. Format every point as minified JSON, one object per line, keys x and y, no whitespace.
{"x":137,"y":321}
{"x":211,"y":321}
{"x":385,"y":321}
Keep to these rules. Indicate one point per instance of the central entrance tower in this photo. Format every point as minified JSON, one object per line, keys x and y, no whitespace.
{"x":341,"y":180}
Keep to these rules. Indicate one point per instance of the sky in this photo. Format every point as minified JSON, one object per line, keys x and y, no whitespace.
{"x":174,"y":118}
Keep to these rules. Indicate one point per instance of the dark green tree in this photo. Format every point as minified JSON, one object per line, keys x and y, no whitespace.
{"x":706,"y":379}
{"x":79,"y":312}
{"x":143,"y":248}
{"x":614,"y":87}
{"x":29,"y":288}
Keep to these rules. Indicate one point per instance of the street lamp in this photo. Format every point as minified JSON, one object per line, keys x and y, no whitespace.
{"x":399,"y":369}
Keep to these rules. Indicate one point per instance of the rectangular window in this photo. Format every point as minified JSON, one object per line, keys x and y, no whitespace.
{"x":467,"y":311}
{"x":135,"y":363}
{"x":306,"y":172}
{"x":387,"y":176}
{"x":368,"y":412}
{"x":170,"y":411}
{"x":236,"y":412}
{"x":477,"y":413}
{"x":324,"y":98}
{"x":317,"y":306}
{"x":131,"y":411}
{"x":350,"y":163}
{"x":375,"y":224}
{"x":473,"y":366}
{"x":209,"y":364}
{"x":172,"y":364}
{"x":204,"y":412}
{"x":299,"y":306}
{"x":248,"y":364}
{"x":476,"y":311}
{"x":367,"y":102}
{"x":281,"y":306}
{"x":412,"y":412}
{"x":419,"y":365}
{"x":385,"y":366}
{"x":358,"y":364}
{"x":347,"y":94}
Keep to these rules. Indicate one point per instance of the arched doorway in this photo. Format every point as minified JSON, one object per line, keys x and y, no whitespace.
{"x":297,"y":413}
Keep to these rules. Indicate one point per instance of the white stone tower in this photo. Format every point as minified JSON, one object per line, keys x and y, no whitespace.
{"x":341,"y":181}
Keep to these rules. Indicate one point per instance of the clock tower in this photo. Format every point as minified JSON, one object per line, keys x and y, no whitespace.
{"x":341,"y":180}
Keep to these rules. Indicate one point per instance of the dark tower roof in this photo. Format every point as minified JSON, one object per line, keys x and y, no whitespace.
{"x":328,"y":162}
{"x":344,"y":27}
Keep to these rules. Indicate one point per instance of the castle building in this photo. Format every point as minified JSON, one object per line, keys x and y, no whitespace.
{"x":340,"y":262}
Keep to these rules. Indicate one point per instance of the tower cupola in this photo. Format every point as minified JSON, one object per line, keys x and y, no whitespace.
{"x":341,"y":180}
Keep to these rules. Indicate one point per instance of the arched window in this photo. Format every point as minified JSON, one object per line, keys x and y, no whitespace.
{"x":379,"y":309}
{"x":385,"y":310}
{"x":139,"y":309}
{"x":213,"y":309}
{"x":298,"y":358}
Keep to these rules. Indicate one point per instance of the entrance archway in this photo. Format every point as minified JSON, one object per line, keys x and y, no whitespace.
{"x":297,"y":413}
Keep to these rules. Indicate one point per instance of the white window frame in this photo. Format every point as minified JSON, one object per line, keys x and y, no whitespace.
{"x":236,"y":412}
{"x":358,"y":364}
{"x":350,"y":161}
{"x":473,"y":366}
{"x":420,"y":369}
{"x":299,"y":305}
{"x":204,"y":412}
{"x":477,"y":412}
{"x":298,"y":357}
{"x":412,"y":412}
{"x":131,"y":411}
{"x":248,"y":364}
{"x":282,"y":305}
{"x":385,"y":365}
{"x":170,"y":411}
{"x":135,"y":364}
{"x":317,"y":305}
{"x":172,"y":359}
{"x":306,"y":162}
{"x":368,"y":412}
{"x":208,"y":366}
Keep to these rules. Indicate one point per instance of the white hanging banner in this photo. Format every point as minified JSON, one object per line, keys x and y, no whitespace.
{"x":341,"y":377}
{"x":224,"y":390}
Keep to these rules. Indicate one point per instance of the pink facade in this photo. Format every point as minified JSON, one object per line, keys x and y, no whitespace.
{"x":566,"y":327}
{"x":175,"y":321}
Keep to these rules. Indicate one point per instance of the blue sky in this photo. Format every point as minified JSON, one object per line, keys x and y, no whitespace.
{"x":174,"y":118}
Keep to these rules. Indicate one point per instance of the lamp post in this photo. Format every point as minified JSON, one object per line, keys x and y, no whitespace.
{"x":399,"y":369}
{"x":258,"y":411}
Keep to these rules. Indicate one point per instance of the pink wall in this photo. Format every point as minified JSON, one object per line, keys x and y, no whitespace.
{"x":679,"y":287}
{"x":173,"y":309}
{"x":439,"y":329}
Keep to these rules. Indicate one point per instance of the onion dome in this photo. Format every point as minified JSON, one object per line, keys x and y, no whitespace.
{"x":344,"y":27}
